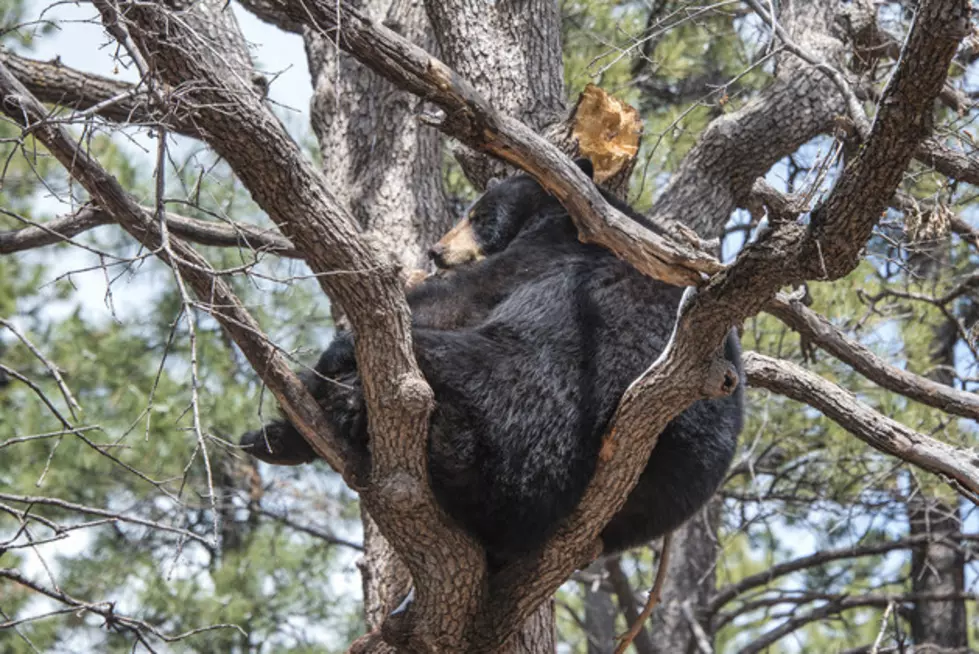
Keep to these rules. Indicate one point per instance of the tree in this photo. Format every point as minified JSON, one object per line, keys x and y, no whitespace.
{"x":825,"y":142}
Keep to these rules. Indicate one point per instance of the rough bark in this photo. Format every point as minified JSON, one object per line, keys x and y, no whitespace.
{"x":716,"y":176}
{"x":384,"y":163}
{"x":386,"y":167}
{"x":510,"y":52}
{"x":690,"y":579}
{"x":938,"y":567}
{"x":600,"y":615}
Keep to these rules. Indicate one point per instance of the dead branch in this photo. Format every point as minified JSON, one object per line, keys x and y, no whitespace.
{"x":700,"y":636}
{"x":887,"y":435}
{"x":315,"y":532}
{"x":113,"y":620}
{"x":821,"y":332}
{"x":204,"y":232}
{"x":654,"y":597}
{"x":55,"y":83}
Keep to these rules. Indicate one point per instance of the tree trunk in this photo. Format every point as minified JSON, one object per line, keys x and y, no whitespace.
{"x":386,"y":165}
{"x":600,"y":614}
{"x":690,"y":577}
{"x":383,"y":163}
{"x":938,"y":567}
{"x":513,"y":61}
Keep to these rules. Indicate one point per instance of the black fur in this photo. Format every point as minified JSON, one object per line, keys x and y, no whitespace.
{"x":528,"y":352}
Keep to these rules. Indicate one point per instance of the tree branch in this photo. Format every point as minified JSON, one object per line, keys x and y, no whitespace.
{"x":959,"y":467}
{"x":215,"y":295}
{"x":269,"y":12}
{"x":205,"y":232}
{"x":750,"y":582}
{"x":307,"y":529}
{"x":717,"y":175}
{"x":446,"y":563}
{"x":120,"y":102}
{"x":821,"y":332}
{"x":789,"y":252}
{"x":112,"y":515}
{"x":855,"y":109}
{"x":948,"y":161}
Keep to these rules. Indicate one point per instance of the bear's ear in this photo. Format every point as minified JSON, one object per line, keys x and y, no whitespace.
{"x":493,"y":181}
{"x":586,"y":166}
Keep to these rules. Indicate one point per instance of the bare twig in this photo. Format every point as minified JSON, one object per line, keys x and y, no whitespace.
{"x":121,"y":102}
{"x":91,"y":510}
{"x":113,"y":620}
{"x":654,"y":597}
{"x":53,"y":369}
{"x":883,"y":627}
{"x":312,"y":531}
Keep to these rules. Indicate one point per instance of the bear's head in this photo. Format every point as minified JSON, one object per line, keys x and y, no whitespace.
{"x":495,"y":219}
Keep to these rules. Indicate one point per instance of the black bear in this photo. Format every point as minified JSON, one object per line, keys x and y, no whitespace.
{"x":529,"y":343}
